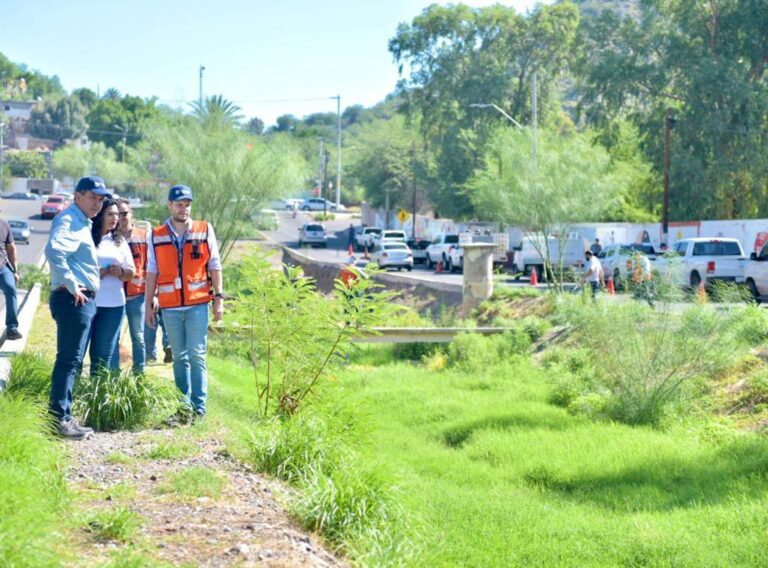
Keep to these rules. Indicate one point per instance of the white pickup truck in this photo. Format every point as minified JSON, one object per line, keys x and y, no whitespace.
{"x":438,"y":249}
{"x":703,"y":260}
{"x":456,"y":252}
{"x":364,"y":239}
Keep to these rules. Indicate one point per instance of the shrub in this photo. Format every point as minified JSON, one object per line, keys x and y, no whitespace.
{"x":30,"y":274}
{"x":475,"y":353}
{"x":30,"y":375}
{"x":114,"y":401}
{"x":413,"y":351}
{"x":535,"y":327}
{"x":750,"y":324}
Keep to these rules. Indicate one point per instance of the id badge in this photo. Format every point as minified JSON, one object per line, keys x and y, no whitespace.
{"x":177,"y":283}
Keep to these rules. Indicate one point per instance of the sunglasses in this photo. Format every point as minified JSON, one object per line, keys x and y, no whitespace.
{"x":124,"y":213}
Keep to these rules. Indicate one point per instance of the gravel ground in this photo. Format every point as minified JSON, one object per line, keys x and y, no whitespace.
{"x":244,"y":526}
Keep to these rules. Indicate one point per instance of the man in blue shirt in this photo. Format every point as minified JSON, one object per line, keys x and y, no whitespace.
{"x":75,"y":280}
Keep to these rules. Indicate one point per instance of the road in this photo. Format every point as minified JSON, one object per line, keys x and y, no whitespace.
{"x":29,"y":211}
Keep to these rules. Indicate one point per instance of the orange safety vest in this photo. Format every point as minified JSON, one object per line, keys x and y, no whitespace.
{"x":138,"y":243}
{"x":183,"y":278}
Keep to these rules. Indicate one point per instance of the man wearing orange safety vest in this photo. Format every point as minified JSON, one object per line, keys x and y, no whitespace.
{"x":184,"y":269}
{"x":134,"y":288}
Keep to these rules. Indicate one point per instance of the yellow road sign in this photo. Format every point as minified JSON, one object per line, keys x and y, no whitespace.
{"x":403,"y":216}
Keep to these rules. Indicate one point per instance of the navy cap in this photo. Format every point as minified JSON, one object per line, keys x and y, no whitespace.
{"x":94,"y":184}
{"x":179,"y":192}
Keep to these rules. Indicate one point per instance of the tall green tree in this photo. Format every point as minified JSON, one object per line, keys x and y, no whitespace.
{"x":117,"y":121}
{"x":705,"y":63}
{"x":75,"y":162}
{"x":28,"y":164}
{"x":457,"y":56}
{"x":216,"y":111}
{"x":60,"y":119}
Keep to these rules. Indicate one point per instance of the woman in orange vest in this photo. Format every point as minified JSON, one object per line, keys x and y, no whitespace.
{"x":184,"y":270}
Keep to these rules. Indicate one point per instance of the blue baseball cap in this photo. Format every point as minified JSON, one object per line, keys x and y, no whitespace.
{"x":94,"y":184}
{"x":179,"y":192}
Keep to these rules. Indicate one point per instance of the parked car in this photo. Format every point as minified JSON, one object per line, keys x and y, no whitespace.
{"x":364,"y":239}
{"x":54,"y":205}
{"x":419,"y":249}
{"x":284,"y":205}
{"x":437,"y":251}
{"x":389,"y":235}
{"x":21,"y":230}
{"x":266,"y":219}
{"x":618,"y":260}
{"x":21,"y":195}
{"x":704,"y":260}
{"x":313,"y":234}
{"x":393,"y":254}
{"x":319,"y":204}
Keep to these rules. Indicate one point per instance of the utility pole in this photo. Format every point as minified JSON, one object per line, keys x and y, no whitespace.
{"x":200,"y":83}
{"x":413,"y":181}
{"x":2,"y":128}
{"x":338,"y":150}
{"x":668,"y":125}
{"x":124,"y":131}
{"x":326,"y":158}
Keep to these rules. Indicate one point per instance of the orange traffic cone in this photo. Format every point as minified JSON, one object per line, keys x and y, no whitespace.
{"x":701,"y":294}
{"x":350,"y":250}
{"x":366,"y":256}
{"x":611,"y":287}
{"x":439,"y":267}
{"x":534,"y":277}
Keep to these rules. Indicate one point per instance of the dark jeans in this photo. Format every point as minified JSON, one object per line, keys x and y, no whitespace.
{"x":595,"y":289}
{"x":73,"y":324}
{"x":8,"y":284}
{"x":134,"y":313}
{"x":105,"y":332}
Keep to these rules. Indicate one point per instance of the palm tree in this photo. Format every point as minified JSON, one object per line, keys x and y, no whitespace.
{"x":112,"y":94}
{"x":217,"y":109}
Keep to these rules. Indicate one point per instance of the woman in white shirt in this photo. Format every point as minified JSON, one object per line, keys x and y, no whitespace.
{"x":115,"y":267}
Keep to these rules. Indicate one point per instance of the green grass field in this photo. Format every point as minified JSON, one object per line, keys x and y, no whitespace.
{"x":488,"y":473}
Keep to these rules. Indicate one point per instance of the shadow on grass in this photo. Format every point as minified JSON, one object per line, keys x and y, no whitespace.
{"x":736,"y":471}
{"x":457,"y":436}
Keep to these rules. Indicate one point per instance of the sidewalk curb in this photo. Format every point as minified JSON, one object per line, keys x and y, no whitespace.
{"x":10,"y":348}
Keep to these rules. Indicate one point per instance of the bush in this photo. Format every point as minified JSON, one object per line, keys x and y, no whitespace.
{"x":30,"y":274}
{"x":413,"y":351}
{"x":119,"y":524}
{"x":30,"y":375}
{"x":750,"y":324}
{"x":116,"y":401}
{"x":475,"y":353}
{"x":32,"y":487}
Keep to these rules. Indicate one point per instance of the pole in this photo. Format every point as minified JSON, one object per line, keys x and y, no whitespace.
{"x":324,"y":192}
{"x":338,"y":151}
{"x":665,"y":206}
{"x":200,"y":99}
{"x":413,"y":206}
{"x":2,"y":128}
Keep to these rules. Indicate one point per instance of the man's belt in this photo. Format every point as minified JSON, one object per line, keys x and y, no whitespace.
{"x":84,"y":291}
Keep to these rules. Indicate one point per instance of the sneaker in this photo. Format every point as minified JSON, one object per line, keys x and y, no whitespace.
{"x":12,"y":334}
{"x":86,"y":429}
{"x":168,"y":355}
{"x":69,"y":429}
{"x":151,"y":360}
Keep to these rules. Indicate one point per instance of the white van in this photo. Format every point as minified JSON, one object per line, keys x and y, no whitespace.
{"x":529,"y":256}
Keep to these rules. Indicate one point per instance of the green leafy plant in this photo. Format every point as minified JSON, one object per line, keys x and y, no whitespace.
{"x":31,"y":274}
{"x":292,"y":335}
{"x":475,"y":353}
{"x":30,"y":375}
{"x":114,"y":401}
{"x":119,"y":523}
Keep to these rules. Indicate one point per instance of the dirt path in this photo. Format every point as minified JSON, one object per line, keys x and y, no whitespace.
{"x":197,"y":505}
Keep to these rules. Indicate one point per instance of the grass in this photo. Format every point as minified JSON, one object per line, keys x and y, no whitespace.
{"x":117,"y":524}
{"x":171,"y":450}
{"x":33,"y":496}
{"x":194,"y":482}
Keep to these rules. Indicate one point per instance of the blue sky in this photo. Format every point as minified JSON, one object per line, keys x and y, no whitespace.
{"x":253,"y":51}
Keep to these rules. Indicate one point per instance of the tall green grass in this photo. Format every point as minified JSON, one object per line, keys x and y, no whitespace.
{"x":33,"y":495}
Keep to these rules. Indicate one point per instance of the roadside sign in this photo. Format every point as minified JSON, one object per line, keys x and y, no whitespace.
{"x":403,"y":216}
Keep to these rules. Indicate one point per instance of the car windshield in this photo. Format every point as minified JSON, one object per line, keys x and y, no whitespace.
{"x":313,"y":228}
{"x":18,"y":224}
{"x":395,"y":246}
{"x":451,"y":239}
{"x":55,"y":199}
{"x":374,"y":231}
{"x":717,"y":248}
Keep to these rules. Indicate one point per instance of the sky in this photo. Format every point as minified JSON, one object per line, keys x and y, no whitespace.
{"x":268,"y":57}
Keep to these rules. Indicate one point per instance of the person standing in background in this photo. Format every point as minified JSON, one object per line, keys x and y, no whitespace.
{"x":116,"y":268}
{"x":134,"y":288}
{"x":71,"y":255}
{"x":9,"y":277}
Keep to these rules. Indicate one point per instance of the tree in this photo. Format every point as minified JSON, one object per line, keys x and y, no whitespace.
{"x":571,"y":181}
{"x":111,"y":94}
{"x":254,"y":126}
{"x":706,"y":62}
{"x":19,"y":83}
{"x":458,"y":56}
{"x":217,"y":111}
{"x":230,"y":172}
{"x":86,"y":96}
{"x":118,"y":121}
{"x":75,"y":162}
{"x":61,"y":119}
{"x":26,"y":164}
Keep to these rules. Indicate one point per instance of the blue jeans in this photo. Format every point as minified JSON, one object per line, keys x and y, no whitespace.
{"x":134,"y":312}
{"x":105,"y":333}
{"x":73,"y":324}
{"x":150,"y":337}
{"x":8,"y":284}
{"x":188,"y":334}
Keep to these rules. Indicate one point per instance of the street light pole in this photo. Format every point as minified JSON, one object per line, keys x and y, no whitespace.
{"x":124,"y":130}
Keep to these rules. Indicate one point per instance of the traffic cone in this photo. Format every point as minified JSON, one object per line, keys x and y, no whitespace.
{"x":350,"y":250}
{"x":611,"y":287}
{"x":439,"y":268}
{"x":534,"y":277}
{"x":366,"y":256}
{"x":701,"y":294}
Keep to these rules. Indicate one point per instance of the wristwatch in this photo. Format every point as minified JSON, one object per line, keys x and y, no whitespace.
{"x":218,"y":295}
